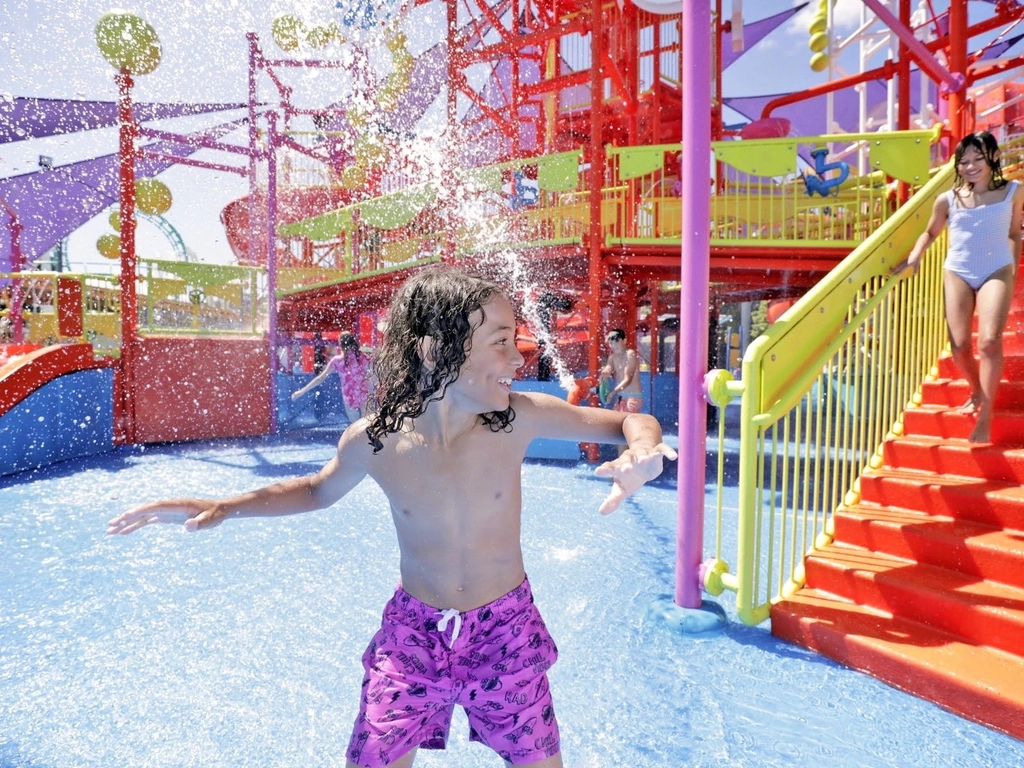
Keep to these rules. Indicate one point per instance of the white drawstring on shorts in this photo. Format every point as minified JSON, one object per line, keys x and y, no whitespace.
{"x":447,"y":615}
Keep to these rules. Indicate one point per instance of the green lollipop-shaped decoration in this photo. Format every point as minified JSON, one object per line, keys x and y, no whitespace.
{"x":128,"y":42}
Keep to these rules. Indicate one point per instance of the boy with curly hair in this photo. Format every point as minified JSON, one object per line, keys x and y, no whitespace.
{"x":445,"y":441}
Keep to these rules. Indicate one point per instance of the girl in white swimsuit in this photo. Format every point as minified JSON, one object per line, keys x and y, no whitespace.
{"x":984,"y":215}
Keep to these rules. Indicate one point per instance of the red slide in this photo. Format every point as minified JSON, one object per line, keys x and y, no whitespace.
{"x":292,"y":205}
{"x":26,"y":373}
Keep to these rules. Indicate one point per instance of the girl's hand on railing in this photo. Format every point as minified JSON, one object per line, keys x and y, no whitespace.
{"x":907,"y":268}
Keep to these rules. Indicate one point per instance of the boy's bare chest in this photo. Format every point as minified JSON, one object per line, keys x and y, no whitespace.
{"x":473,"y":471}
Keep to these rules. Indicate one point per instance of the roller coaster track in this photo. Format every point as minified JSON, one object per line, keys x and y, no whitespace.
{"x":168,"y":231}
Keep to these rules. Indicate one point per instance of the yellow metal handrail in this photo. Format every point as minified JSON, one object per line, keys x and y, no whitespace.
{"x":100,"y":310}
{"x":821,"y":390}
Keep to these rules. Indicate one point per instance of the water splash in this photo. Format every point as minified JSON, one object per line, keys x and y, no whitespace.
{"x":515,"y":273}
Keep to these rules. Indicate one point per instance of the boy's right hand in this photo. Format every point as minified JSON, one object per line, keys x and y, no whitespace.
{"x":630,"y":471}
{"x":194,"y":513}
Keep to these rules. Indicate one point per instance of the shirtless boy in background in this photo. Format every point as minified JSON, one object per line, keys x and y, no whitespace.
{"x":623,"y":367}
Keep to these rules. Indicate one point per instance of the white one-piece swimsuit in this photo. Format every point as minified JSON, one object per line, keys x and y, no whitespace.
{"x":979,"y":242}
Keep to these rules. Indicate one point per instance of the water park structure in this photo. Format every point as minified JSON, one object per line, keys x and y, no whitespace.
{"x":590,"y":166}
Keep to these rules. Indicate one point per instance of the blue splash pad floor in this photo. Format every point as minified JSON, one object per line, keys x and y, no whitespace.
{"x":241,"y":646}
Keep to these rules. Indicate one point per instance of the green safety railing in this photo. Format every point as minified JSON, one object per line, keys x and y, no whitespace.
{"x":820,"y":392}
{"x":763,"y":196}
{"x":188,"y":298}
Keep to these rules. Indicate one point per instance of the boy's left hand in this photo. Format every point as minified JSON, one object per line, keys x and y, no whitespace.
{"x":630,"y":471}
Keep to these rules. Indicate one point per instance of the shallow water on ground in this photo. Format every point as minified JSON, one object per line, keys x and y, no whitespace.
{"x":241,"y":646}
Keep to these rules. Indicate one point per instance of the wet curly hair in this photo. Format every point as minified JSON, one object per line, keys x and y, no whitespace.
{"x":439,"y":303}
{"x":986,"y":144}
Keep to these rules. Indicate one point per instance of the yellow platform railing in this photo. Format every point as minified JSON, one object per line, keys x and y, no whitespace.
{"x":190,"y":298}
{"x":820,"y":391}
{"x":763,"y":195}
{"x":765,"y":188}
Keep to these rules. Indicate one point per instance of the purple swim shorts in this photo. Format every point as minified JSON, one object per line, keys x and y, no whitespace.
{"x":492,"y":661}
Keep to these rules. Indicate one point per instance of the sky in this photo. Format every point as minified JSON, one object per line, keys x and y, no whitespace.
{"x":47,"y":49}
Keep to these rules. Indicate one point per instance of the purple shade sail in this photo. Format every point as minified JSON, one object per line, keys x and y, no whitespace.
{"x":50,"y":204}
{"x":808,"y":117}
{"x":26,"y":117}
{"x":755,"y":32}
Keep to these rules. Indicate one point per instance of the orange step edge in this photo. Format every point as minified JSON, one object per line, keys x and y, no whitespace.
{"x":975,"y":682}
{"x":974,"y":610}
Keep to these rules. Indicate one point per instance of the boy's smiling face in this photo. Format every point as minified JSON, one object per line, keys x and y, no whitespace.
{"x":485,"y":381}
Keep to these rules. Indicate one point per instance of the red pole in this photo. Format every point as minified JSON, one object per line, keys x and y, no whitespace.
{"x":903,"y":73}
{"x":124,"y":382}
{"x":17,"y":266}
{"x":958,"y":39}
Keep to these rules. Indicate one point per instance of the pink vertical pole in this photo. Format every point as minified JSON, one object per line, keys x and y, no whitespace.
{"x":693,"y":306}
{"x":272,"y":261}
{"x":254,"y":148}
{"x":17,"y":294}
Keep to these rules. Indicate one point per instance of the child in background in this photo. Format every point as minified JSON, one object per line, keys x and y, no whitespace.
{"x":353,"y":368}
{"x":622,"y":369}
{"x":446,"y":440}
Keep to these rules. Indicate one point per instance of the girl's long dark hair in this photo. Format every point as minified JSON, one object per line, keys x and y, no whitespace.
{"x":349,"y":345}
{"x":986,"y":143}
{"x":439,"y":303}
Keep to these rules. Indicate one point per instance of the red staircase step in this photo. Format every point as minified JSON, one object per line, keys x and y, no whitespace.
{"x":977,"y":550}
{"x":940,"y":421}
{"x":973,"y":609}
{"x":1013,"y":367}
{"x":952,"y":393}
{"x":988,"y":502}
{"x":1013,"y":341}
{"x":1014,"y":321}
{"x":979,"y":683}
{"x":1013,"y":336}
{"x":923,"y":586}
{"x":947,"y":457}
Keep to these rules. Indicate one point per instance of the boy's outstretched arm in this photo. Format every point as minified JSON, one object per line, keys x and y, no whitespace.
{"x":303,"y":494}
{"x":547,"y":416}
{"x":639,"y":463}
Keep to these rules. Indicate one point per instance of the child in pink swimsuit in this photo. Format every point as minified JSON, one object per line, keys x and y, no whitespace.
{"x":353,"y":369}
{"x":445,"y":441}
